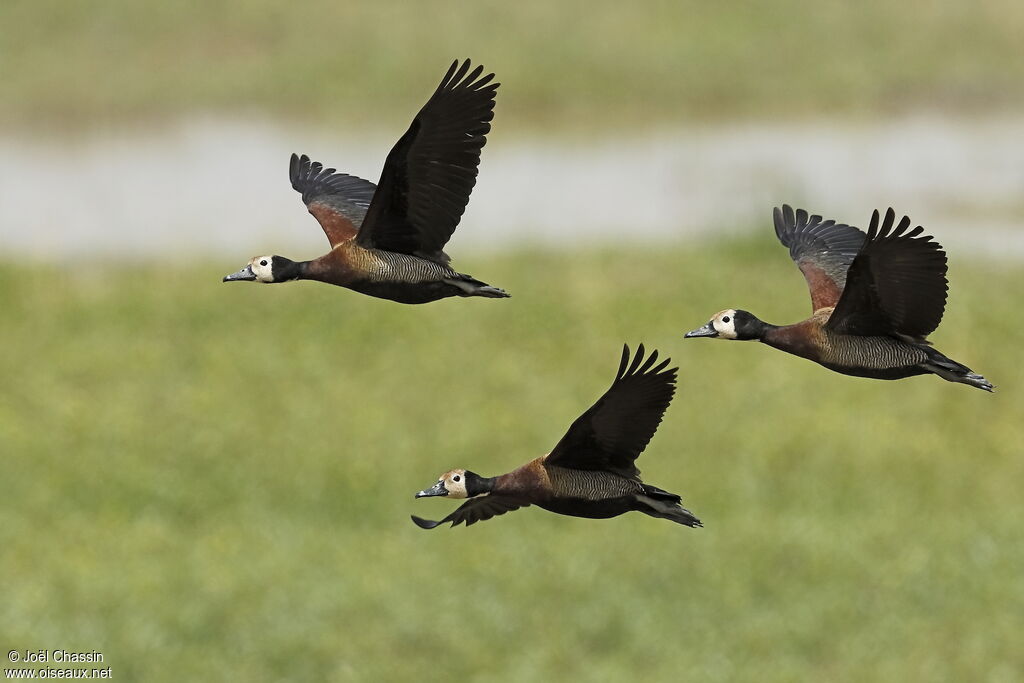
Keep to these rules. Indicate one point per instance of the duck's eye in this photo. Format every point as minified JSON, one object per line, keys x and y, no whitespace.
{"x":264,"y":262}
{"x":456,"y":478}
{"x":725,"y":319}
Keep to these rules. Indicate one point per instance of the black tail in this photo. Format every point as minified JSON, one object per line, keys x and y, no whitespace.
{"x":948,"y":369}
{"x":664,"y":505}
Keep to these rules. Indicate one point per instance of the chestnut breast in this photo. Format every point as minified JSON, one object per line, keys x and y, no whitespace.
{"x":806,"y":339}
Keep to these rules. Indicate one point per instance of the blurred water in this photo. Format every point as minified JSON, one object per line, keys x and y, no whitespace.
{"x":220,"y":187}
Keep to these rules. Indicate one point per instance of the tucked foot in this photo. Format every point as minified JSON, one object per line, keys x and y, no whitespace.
{"x":951,"y":371}
{"x":470,"y":287}
{"x":664,"y":505}
{"x":976,"y":380}
{"x":679,"y":515}
{"x":492,"y":292}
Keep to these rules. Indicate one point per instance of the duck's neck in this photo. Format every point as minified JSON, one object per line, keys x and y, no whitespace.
{"x":334,"y":268}
{"x":477,"y":485}
{"x":286,"y":269}
{"x":766,"y":331}
{"x":797,"y":339}
{"x":754,"y":329}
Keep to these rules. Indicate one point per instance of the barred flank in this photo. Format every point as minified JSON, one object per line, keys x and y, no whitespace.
{"x":386,"y":266}
{"x":590,"y":485}
{"x":876,"y":353}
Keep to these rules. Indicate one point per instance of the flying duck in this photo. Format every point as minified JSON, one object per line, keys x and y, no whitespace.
{"x":875,"y":298}
{"x":590,"y":473}
{"x":387,"y":239}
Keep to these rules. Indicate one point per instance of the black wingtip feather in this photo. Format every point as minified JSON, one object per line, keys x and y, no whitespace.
{"x":640,"y":365}
{"x":636,"y":361}
{"x":650,"y":361}
{"x":448,"y":74}
{"x":903,"y":225}
{"x":787,"y":212}
{"x":457,"y":78}
{"x":780,"y":225}
{"x":873,"y":226}
{"x":424,"y":523}
{"x":890,"y":218}
{"x":801,"y":218}
{"x":479,"y":85}
{"x":622,"y":362}
{"x":887,"y":231}
{"x":295,"y":169}
{"x":474,"y":74}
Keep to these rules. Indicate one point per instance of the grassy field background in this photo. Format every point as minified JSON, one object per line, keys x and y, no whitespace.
{"x":213,"y":482}
{"x":601,"y":64}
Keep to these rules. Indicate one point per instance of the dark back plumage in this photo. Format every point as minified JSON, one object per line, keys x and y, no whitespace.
{"x":430,"y":172}
{"x":614,"y":431}
{"x":895,"y":285}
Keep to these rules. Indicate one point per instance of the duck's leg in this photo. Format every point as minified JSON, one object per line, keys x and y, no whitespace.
{"x":467,"y":286}
{"x":951,"y":371}
{"x":664,"y":505}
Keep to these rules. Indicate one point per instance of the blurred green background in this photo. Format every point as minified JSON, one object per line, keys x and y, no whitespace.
{"x":212,"y":482}
{"x":564,"y":63}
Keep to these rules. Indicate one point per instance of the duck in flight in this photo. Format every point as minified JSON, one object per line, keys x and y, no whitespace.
{"x":875,"y":299}
{"x":591,"y":472}
{"x":387,"y":240}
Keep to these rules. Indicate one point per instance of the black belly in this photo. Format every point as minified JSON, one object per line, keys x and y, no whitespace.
{"x":592,"y":509}
{"x":879,"y":373}
{"x":407,"y":292}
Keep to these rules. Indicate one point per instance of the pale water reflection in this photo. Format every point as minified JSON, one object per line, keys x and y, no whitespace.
{"x":219,"y":187}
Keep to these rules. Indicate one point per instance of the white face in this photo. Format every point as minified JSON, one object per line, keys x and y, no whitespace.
{"x":724,"y":323}
{"x":262,"y":268}
{"x":455,"y":483}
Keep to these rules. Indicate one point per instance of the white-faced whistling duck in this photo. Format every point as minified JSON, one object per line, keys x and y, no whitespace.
{"x":875,"y":298}
{"x":387,"y":240}
{"x":590,"y":473}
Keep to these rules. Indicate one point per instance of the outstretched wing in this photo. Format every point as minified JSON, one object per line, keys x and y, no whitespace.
{"x":616,"y":429}
{"x":338,"y":201}
{"x":429,"y":173}
{"x":895,"y":285}
{"x":823,"y":250}
{"x":476,"y":510}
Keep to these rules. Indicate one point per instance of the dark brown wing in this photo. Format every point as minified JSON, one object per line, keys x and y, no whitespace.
{"x":338,"y":201}
{"x":429,"y":173}
{"x":616,"y":429}
{"x":823,"y":250}
{"x":476,"y":510}
{"x":895,"y":285}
